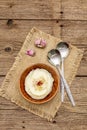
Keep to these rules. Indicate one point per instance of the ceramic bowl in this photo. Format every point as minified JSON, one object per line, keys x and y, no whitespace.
{"x":55,"y":87}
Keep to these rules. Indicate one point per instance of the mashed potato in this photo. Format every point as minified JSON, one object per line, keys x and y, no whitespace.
{"x":38,"y":83}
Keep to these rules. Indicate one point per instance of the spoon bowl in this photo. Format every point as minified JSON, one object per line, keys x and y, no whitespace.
{"x":54,"y":57}
{"x":63,"y":48}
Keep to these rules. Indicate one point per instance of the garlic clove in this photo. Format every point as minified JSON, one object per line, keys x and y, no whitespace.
{"x":43,"y":43}
{"x":37,"y":42}
{"x":40,"y":43}
{"x":30,"y":52}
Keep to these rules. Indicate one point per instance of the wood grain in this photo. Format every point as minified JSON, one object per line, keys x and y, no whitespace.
{"x":42,"y":9}
{"x":74,"y":9}
{"x":62,"y":18}
{"x":16,"y":30}
{"x":74,"y":32}
{"x":20,"y":119}
{"x":67,"y":117}
{"x":29,"y":9}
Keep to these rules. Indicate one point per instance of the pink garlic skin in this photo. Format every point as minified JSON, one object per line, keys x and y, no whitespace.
{"x":30,"y":52}
{"x":40,"y":43}
{"x":37,"y":42}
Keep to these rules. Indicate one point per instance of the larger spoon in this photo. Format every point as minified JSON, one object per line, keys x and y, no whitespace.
{"x":54,"y":57}
{"x":63,"y":48}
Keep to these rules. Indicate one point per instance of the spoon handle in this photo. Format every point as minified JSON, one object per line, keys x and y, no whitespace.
{"x":66,"y":86}
{"x":62,"y":91}
{"x":62,"y":85}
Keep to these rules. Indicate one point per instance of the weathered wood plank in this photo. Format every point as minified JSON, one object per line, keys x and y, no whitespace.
{"x":74,"y":9}
{"x":68,"y":118}
{"x":28,"y":9}
{"x":42,"y":9}
{"x":74,"y":32}
{"x":17,"y":120}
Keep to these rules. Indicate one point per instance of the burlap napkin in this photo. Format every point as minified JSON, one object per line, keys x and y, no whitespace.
{"x":10,"y":86}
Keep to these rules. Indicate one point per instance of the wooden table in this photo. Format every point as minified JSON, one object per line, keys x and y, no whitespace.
{"x":66,"y":19}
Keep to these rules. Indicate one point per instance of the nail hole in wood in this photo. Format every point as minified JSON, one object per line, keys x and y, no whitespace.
{"x":9,"y":22}
{"x":54,"y":122}
{"x":61,"y":12}
{"x":61,"y":25}
{"x":23,"y":127}
{"x":57,"y":21}
{"x":8,"y":49}
{"x":23,"y":121}
{"x":10,"y":6}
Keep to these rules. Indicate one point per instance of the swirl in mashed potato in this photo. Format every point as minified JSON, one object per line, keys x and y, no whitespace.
{"x":39,"y":83}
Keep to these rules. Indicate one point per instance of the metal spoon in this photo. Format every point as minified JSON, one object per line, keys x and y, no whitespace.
{"x":63,"y":48}
{"x":54,"y":57}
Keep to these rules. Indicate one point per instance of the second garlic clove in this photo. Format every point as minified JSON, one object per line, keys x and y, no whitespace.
{"x":40,"y":43}
{"x":30,"y":52}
